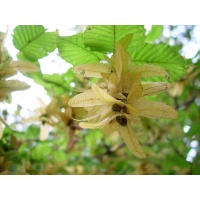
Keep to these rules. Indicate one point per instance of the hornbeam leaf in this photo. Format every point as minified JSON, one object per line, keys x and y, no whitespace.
{"x":161,"y":55}
{"x":33,"y":41}
{"x":72,"y":50}
{"x":103,"y":38}
{"x":155,"y":33}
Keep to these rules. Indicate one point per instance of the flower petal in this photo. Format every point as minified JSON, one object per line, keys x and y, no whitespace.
{"x":102,"y":94}
{"x":14,"y":85}
{"x":135,"y":93}
{"x":92,"y":70}
{"x":7,"y":73}
{"x":94,"y":125}
{"x":85,"y":99}
{"x":98,"y":124}
{"x":110,"y":128}
{"x":131,"y":140}
{"x":23,"y":66}
{"x":3,"y":93}
{"x":149,"y":70}
{"x":119,"y":60}
{"x":44,"y":131}
{"x":153,"y":109}
{"x":153,"y":88}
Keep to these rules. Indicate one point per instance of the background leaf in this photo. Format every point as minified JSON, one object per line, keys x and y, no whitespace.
{"x":72,"y":50}
{"x":155,"y":33}
{"x":161,"y":55}
{"x":103,"y":38}
{"x":33,"y":41}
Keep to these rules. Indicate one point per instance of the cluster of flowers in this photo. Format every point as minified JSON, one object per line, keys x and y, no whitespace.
{"x":8,"y":68}
{"x":117,"y":101}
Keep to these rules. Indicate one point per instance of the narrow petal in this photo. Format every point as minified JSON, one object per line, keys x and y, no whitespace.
{"x":135,"y":93}
{"x":102,"y":94}
{"x":94,"y":125}
{"x":44,"y":131}
{"x":153,"y":88}
{"x":110,"y":128}
{"x":14,"y":85}
{"x":98,"y":124}
{"x":93,"y":74}
{"x":131,"y":140}
{"x":149,"y":70}
{"x":92,"y":70}
{"x":120,"y":60}
{"x":153,"y":109}
{"x":3,"y":93}
{"x":132,"y":110}
{"x":91,"y":117}
{"x":85,"y":99}
{"x":101,"y":111}
{"x":23,"y":66}
{"x":7,"y":73}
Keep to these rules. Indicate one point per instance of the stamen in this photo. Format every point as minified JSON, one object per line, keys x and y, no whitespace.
{"x":116,"y":108}
{"x":121,"y":120}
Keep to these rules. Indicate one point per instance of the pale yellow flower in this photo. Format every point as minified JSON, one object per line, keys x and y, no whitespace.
{"x":8,"y":68}
{"x":111,"y":114}
{"x":119,"y":98}
{"x":47,"y":115}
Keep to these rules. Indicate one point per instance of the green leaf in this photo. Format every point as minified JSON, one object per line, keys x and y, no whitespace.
{"x":33,"y":41}
{"x":21,"y":56}
{"x":155,"y":33}
{"x":59,"y":83}
{"x":161,"y":55}
{"x":41,"y":151}
{"x":103,"y":38}
{"x":72,"y":50}
{"x":194,"y":130}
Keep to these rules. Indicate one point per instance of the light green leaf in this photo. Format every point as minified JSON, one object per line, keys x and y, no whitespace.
{"x":72,"y":50}
{"x":33,"y":41}
{"x":103,"y":38}
{"x":161,"y":55}
{"x":155,"y":33}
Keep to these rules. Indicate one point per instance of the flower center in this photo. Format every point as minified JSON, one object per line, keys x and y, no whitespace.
{"x":121,"y":120}
{"x":118,"y":108}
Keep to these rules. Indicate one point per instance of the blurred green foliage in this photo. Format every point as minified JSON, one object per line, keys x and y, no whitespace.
{"x":170,"y":148}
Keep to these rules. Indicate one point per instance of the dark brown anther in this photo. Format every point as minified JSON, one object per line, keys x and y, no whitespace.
{"x":116,"y":108}
{"x":121,"y":120}
{"x":124,"y":109}
{"x":125,"y":94}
